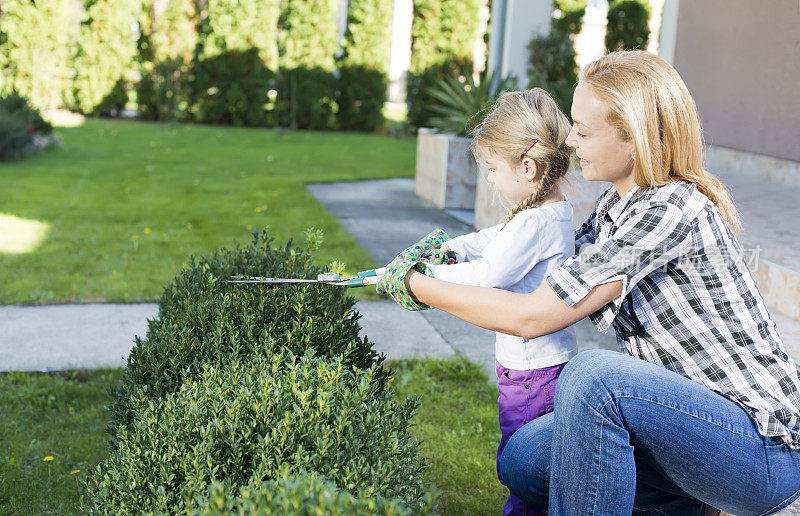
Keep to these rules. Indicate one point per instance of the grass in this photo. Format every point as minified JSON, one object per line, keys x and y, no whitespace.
{"x":62,"y":415}
{"x":58,"y":415}
{"x":112,"y":214}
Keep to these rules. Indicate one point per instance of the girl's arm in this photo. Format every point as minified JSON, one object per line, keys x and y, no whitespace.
{"x":525,"y":315}
{"x":470,"y":246}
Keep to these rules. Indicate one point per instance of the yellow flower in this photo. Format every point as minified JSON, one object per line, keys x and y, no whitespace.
{"x":74,"y":471}
{"x":48,"y":458}
{"x":146,"y":231}
{"x":248,"y":227}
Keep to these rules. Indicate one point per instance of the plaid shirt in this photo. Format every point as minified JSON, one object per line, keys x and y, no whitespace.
{"x":689,"y":303}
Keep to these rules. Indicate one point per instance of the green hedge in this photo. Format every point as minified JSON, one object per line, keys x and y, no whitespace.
{"x":627,"y":25}
{"x":104,"y":56}
{"x":242,"y":384}
{"x":203,"y":320}
{"x":302,"y":495}
{"x":568,"y":15}
{"x":262,"y":418}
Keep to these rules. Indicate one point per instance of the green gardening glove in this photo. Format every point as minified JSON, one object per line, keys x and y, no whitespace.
{"x":427,"y":249}
{"x":393,"y":283}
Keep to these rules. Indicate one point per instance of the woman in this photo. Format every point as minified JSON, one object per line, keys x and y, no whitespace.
{"x":704,"y":409}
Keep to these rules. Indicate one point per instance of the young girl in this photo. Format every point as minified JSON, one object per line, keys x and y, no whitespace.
{"x":521,"y":142}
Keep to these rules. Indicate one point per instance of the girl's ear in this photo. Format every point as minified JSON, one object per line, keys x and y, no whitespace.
{"x":530,"y":168}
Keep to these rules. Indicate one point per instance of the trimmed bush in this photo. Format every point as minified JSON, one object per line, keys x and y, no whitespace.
{"x":262,"y":418}
{"x":204,"y":321}
{"x":302,"y":495}
{"x":628,"y":27}
{"x":104,"y":57}
{"x":231,"y":88}
{"x":361,"y":93}
{"x":552,"y":67}
{"x":568,"y":15}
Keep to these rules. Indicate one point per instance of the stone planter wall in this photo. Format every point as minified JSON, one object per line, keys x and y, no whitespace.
{"x":446,"y":171}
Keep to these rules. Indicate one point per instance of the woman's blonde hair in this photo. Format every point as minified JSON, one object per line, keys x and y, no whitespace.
{"x":649,"y":104}
{"x":518,"y":120}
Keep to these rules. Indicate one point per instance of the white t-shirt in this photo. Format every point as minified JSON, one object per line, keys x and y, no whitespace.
{"x":518,"y":257}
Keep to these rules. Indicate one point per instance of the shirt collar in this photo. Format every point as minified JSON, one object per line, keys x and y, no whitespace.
{"x":615,"y":205}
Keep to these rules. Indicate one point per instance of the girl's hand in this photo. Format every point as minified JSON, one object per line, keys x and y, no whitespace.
{"x":393,"y":283}
{"x":429,"y":245}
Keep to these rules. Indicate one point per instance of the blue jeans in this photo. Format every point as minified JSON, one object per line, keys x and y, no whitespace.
{"x":628,"y":436}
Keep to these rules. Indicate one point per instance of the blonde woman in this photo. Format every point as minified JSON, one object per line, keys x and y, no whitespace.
{"x":703,"y":408}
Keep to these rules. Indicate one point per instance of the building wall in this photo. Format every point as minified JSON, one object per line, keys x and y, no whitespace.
{"x":741,"y":61}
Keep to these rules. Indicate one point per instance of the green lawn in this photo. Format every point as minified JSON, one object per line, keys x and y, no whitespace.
{"x":62,"y":416}
{"x":112,"y":214}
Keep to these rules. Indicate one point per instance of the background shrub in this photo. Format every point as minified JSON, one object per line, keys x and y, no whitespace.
{"x":306,"y":98}
{"x":262,"y":418}
{"x":15,"y":135}
{"x":36,"y":46}
{"x":231,"y":88}
{"x":166,"y":49}
{"x":420,"y":102}
{"x":301,"y":495}
{"x":568,"y":15}
{"x":227,"y":25}
{"x":104,"y":57}
{"x":443,"y":37}
{"x":307,"y":43}
{"x":627,"y":25}
{"x":552,"y":67}
{"x":460,"y":106}
{"x":19,"y":123}
{"x":361,"y":93}
{"x":363,"y":65}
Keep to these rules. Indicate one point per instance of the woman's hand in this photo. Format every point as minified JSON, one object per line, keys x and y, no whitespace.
{"x":525,"y":315}
{"x":393,"y":283}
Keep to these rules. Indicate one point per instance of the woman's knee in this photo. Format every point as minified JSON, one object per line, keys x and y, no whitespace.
{"x":584,"y":373}
{"x":525,"y":462}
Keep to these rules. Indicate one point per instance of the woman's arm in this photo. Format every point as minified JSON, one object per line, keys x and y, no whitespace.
{"x":525,"y":315}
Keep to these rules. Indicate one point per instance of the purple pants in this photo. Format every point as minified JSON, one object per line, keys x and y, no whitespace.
{"x":524,"y":396}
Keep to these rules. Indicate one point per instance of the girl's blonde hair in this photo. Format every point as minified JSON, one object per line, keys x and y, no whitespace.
{"x":649,"y":104}
{"x":518,"y":120}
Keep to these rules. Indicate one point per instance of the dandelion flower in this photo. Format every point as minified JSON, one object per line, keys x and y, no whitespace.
{"x":48,"y":458}
{"x":74,"y":472}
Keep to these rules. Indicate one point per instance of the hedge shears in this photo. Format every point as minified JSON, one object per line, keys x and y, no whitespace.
{"x":364,"y":278}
